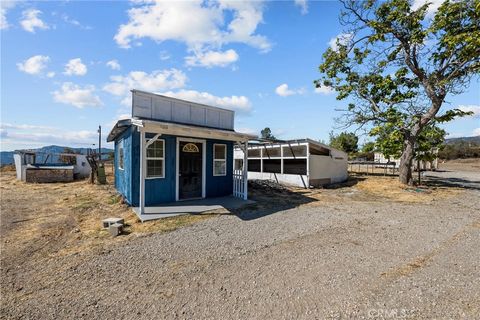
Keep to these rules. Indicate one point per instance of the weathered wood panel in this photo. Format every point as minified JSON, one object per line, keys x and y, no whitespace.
{"x":157,"y":107}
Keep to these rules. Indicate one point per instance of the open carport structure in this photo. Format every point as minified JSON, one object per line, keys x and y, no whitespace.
{"x":305,"y":163}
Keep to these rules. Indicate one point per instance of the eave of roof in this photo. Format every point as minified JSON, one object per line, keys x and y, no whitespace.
{"x":178,"y":129}
{"x":118,"y":129}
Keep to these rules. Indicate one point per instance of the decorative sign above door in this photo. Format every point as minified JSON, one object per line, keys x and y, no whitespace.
{"x":190,"y":147}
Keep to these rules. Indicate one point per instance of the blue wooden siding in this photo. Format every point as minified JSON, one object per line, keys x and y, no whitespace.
{"x":163,"y":190}
{"x":218,"y":186}
{"x":157,"y":190}
{"x":123,"y":178}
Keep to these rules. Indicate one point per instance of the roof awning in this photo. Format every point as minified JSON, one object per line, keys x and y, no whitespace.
{"x":176,"y":129}
{"x":118,"y":129}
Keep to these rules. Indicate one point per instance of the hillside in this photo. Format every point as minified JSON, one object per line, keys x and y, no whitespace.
{"x":6,"y":157}
{"x":475,"y":139}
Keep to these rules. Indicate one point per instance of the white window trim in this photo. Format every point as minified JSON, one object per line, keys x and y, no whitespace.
{"x":155,"y":158}
{"x":224,"y":160}
{"x":122,"y":149}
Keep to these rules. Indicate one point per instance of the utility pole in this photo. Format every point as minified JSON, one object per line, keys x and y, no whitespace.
{"x":99,"y":143}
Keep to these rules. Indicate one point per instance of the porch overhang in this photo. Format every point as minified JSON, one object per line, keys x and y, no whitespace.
{"x":190,"y":131}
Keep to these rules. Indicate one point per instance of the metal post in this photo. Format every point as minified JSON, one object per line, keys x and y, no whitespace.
{"x":99,"y":143}
{"x":142,"y":172}
{"x":245,"y":172}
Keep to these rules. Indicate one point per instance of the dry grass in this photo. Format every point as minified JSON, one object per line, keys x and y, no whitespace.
{"x":65,"y":218}
{"x":390,"y":188}
{"x":472,"y":164}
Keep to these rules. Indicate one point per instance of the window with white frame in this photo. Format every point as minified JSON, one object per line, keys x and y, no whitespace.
{"x":156,"y":159}
{"x":219,"y":159}
{"x":120,"y":155}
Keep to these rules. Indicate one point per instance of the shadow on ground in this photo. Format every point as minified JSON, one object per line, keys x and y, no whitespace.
{"x":271,"y":197}
{"x":452,"y":182}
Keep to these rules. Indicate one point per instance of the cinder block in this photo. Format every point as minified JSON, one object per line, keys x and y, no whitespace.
{"x":115,"y":229}
{"x":109,"y":221}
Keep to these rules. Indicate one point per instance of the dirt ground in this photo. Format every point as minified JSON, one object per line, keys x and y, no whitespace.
{"x":369,"y":244}
{"x":465,"y":165}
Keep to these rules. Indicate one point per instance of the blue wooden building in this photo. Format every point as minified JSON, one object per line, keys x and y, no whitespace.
{"x":173,"y":150}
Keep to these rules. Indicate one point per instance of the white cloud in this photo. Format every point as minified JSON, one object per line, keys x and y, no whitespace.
{"x":113,"y":64}
{"x":248,"y":130}
{"x":476,"y":132}
{"x":204,"y":26}
{"x":4,"y":7}
{"x":158,"y":80}
{"x":77,"y":96}
{"x":236,"y":103}
{"x":3,"y":19}
{"x":23,"y":126}
{"x":432,"y":8}
{"x":34,"y":65}
{"x":74,"y":22}
{"x":75,"y":67}
{"x":283,"y":90}
{"x":30,"y":20}
{"x":340,"y":39}
{"x":28,"y":136}
{"x":303,"y":5}
{"x":471,"y":108}
{"x":164,"y":82}
{"x":324,"y":90}
{"x":212,"y":59}
{"x":50,"y":74}
{"x":164,"y":55}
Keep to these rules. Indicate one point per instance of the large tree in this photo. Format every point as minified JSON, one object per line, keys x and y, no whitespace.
{"x":346,"y":141}
{"x":394,"y":62}
{"x":267,"y":134}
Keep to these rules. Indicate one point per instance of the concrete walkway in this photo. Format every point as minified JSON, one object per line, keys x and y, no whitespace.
{"x":191,"y":207}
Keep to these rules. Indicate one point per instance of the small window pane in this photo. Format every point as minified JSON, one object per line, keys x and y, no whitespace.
{"x":155,"y":150}
{"x":294,"y":151}
{"x":220,"y":151}
{"x":154,"y":168}
{"x":254,"y":165}
{"x":295,"y":166}
{"x":220,"y":168}
{"x":271,"y":152}
{"x":272,"y":165}
{"x":254,"y":153}
{"x":120,"y":155}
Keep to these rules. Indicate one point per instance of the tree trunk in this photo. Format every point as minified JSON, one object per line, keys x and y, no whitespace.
{"x":405,"y":168}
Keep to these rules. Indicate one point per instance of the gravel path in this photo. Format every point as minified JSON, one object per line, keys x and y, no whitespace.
{"x":464,"y":179}
{"x":378,"y":259}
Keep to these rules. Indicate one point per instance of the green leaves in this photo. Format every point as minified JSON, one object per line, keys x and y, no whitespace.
{"x":450,"y":115}
{"x":399,"y":66}
{"x":345,"y":141}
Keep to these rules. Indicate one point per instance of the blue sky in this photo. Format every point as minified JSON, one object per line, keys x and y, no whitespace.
{"x":67,"y":67}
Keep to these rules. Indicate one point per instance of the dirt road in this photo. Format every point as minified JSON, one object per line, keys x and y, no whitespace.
{"x":357,"y":256}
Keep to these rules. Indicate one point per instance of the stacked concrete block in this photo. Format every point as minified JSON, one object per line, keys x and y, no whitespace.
{"x":114,"y":225}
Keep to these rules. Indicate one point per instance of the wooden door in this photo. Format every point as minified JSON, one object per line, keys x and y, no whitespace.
{"x":190,"y":170}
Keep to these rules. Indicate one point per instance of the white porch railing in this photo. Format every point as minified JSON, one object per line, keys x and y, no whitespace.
{"x":240,"y":176}
{"x":238,"y":183}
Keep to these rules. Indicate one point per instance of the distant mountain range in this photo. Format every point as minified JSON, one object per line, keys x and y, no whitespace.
{"x":475,"y":139}
{"x":6,"y":157}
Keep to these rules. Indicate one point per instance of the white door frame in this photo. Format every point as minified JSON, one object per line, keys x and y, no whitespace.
{"x":204,"y":167}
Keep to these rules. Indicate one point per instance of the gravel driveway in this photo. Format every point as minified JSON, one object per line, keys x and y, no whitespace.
{"x":338,"y":260}
{"x":464,"y":179}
